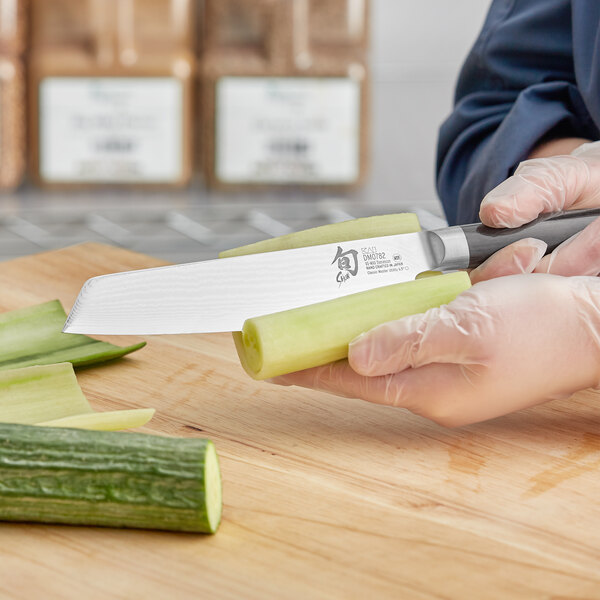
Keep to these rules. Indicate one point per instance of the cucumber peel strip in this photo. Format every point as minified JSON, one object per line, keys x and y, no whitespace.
{"x":49,"y":395}
{"x":40,"y":393}
{"x":33,"y":336}
{"x":345,"y":231}
{"x":113,"y":420}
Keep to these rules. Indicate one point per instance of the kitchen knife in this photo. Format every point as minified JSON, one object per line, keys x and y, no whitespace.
{"x":219,"y":295}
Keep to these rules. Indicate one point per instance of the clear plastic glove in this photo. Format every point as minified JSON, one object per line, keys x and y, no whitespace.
{"x":521,"y":257}
{"x":543,"y":185}
{"x":503,"y":345}
{"x":539,"y":186}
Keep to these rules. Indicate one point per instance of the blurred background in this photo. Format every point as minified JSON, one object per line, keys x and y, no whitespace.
{"x":181,"y":128}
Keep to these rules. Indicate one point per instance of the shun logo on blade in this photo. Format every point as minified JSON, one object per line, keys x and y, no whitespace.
{"x":347,"y":263}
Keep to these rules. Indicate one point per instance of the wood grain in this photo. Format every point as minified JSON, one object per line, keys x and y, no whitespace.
{"x":324,"y":497}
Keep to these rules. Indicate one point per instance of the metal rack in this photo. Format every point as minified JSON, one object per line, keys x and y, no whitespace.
{"x":175,"y":226}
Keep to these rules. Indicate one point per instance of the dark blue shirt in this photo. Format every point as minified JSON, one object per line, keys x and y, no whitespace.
{"x":533,"y":74}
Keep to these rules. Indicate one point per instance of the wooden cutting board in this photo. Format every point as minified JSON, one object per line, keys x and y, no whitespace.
{"x":324,"y":497}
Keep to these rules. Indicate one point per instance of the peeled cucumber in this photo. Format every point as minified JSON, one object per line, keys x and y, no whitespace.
{"x":79,"y":477}
{"x":314,"y":335}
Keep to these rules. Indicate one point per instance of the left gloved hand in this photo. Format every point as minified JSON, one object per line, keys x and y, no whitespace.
{"x":503,"y":345}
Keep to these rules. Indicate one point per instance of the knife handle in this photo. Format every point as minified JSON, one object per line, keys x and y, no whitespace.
{"x":552,"y":228}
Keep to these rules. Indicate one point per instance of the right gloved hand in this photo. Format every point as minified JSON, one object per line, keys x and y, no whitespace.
{"x":539,"y":186}
{"x":544,"y":185}
{"x":579,"y":255}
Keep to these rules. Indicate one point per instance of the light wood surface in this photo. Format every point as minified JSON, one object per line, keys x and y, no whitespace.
{"x":324,"y":497}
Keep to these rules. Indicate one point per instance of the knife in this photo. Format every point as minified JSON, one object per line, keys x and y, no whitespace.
{"x":219,"y":295}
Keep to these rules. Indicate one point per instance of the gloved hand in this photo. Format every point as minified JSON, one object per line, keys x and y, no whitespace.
{"x":546,"y":185}
{"x":503,"y":345}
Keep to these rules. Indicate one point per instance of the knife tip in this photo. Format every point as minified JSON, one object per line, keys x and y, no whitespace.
{"x":68,"y":327}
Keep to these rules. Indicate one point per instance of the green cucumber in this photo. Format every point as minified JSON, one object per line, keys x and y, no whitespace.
{"x":80,"y":477}
{"x":33,"y":336}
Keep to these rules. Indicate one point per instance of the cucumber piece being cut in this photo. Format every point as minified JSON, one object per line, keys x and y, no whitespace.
{"x":33,"y":336}
{"x":314,"y":335}
{"x":78,"y":477}
{"x":354,"y":229}
{"x":259,"y":352}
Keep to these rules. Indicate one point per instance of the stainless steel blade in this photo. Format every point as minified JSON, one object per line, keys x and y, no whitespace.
{"x":219,"y":295}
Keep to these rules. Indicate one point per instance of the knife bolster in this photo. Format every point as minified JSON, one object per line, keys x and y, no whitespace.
{"x":449,"y":248}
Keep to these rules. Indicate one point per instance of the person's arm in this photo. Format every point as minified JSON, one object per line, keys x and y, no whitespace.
{"x":516,"y":90}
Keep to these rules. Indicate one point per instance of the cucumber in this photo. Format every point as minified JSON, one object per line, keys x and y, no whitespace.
{"x":80,"y":477}
{"x":33,"y":336}
{"x":314,"y":335}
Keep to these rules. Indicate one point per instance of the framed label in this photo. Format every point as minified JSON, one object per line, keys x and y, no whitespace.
{"x":111,"y":129}
{"x":287,"y":130}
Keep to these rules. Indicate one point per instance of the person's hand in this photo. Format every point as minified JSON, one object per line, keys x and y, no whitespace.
{"x":545,"y":185}
{"x":505,"y":344}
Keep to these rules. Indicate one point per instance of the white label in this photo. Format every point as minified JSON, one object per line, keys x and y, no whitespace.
{"x":111,"y":129}
{"x":290,"y":130}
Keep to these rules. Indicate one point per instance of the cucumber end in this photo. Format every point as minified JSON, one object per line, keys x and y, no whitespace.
{"x":248,"y":346}
{"x":252,"y":347}
{"x":214,"y":492}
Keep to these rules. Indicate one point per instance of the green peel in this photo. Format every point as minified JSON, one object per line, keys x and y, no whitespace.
{"x":40,"y":393}
{"x":114,"y":420}
{"x":49,"y":395}
{"x":33,"y":336}
{"x":354,"y":229}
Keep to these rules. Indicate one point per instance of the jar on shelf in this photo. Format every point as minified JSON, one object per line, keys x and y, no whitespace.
{"x":112,"y":92}
{"x":284,"y":103}
{"x":12,"y":93}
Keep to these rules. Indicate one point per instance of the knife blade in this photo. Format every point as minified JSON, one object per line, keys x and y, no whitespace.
{"x":219,"y":295}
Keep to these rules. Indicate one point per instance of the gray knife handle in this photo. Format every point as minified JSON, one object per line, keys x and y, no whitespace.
{"x":467,"y":246}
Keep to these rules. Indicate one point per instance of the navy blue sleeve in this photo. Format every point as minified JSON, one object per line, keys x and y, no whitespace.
{"x":516,"y":88}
